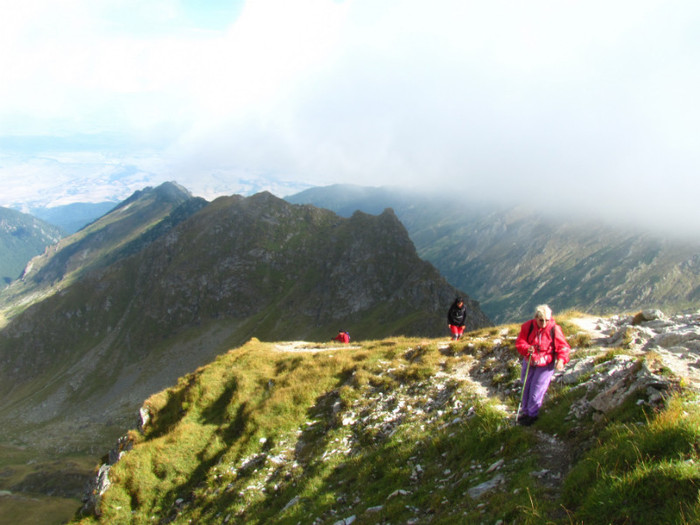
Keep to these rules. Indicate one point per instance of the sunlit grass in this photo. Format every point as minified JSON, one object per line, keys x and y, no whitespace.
{"x":263,"y":436}
{"x":641,"y":473}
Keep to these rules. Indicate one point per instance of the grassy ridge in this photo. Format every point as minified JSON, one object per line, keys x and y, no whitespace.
{"x":393,"y":430}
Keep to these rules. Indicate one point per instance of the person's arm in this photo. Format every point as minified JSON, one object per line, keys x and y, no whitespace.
{"x":561,"y":349}
{"x":522,"y":345}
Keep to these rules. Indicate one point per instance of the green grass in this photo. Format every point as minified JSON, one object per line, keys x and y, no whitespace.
{"x":641,"y":473}
{"x":262,"y":436}
{"x":609,"y":355}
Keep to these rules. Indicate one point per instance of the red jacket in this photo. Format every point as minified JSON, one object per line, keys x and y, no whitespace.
{"x":343,"y":337}
{"x":541,"y":339}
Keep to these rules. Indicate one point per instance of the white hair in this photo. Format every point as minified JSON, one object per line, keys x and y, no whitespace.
{"x":544,"y":311}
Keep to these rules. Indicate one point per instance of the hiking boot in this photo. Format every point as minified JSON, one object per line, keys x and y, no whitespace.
{"x":528,"y":420}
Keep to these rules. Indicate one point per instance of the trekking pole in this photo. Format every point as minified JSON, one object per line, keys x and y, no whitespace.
{"x":517,"y":414}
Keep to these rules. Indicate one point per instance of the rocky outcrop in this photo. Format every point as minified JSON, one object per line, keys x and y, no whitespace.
{"x":99,"y":484}
{"x":675,"y":339}
{"x":671,"y":346}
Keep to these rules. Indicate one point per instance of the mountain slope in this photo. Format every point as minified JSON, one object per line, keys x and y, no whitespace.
{"x":513,"y":258}
{"x":130,"y":226}
{"x":84,"y":357}
{"x":413,"y":431}
{"x":21,"y":238}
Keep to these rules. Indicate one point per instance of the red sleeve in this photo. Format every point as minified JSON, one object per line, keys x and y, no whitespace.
{"x":561,"y":345}
{"x":521,"y":343}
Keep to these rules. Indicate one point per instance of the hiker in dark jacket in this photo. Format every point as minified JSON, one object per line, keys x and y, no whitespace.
{"x":457,"y":318}
{"x":544,"y":349}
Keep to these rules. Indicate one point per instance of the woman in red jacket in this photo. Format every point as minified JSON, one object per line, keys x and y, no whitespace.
{"x":544,"y":349}
{"x":342,"y":337}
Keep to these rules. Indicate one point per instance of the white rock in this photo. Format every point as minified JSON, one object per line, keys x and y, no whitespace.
{"x":498,"y":464}
{"x":399,"y":492}
{"x":481,"y":489}
{"x":652,"y":314}
{"x":291,"y":503}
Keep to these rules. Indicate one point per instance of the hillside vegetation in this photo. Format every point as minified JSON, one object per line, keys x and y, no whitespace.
{"x":405,"y":430}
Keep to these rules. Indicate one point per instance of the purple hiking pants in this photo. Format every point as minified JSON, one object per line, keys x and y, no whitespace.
{"x":535,"y":388}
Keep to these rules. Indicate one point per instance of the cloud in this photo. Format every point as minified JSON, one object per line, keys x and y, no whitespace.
{"x":582,"y":104}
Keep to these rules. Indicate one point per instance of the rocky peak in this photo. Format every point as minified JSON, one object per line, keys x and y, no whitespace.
{"x":168,"y":192}
{"x":130,"y":226}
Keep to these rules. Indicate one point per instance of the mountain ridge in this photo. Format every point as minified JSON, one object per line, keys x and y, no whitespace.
{"x":129,"y":226}
{"x":512,"y":258}
{"x":129,"y":321}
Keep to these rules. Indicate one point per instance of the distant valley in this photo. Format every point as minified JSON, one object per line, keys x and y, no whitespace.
{"x":22,"y":237}
{"x":72,"y":217}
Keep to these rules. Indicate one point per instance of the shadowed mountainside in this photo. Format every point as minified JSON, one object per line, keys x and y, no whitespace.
{"x":21,"y":238}
{"x":513,"y":258}
{"x":122,"y":319}
{"x":128,"y":228}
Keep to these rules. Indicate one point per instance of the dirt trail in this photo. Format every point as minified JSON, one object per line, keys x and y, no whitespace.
{"x":304,"y":346}
{"x":592,"y":326}
{"x":555,"y":454}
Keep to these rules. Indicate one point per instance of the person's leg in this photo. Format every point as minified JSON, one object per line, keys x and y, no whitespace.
{"x":541,"y":377}
{"x":454,"y":330}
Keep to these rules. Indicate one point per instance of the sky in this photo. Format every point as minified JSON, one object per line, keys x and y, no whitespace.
{"x":585,"y":106}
